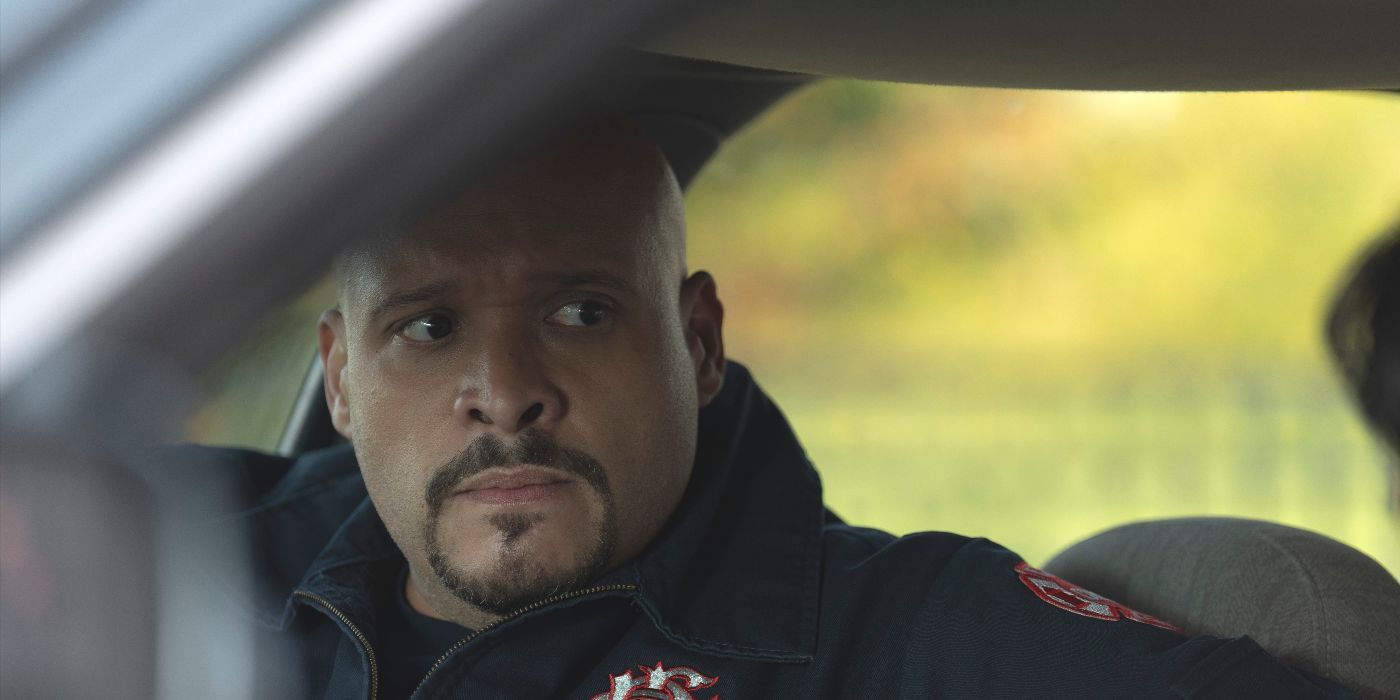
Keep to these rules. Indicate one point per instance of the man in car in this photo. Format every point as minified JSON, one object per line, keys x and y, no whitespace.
{"x":558,"y":487}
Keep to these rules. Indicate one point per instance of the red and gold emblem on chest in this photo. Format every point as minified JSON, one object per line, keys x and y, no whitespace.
{"x":658,"y":682}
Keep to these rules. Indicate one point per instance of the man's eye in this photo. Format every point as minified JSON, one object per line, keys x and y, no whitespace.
{"x":580,"y":313}
{"x":428,"y":328}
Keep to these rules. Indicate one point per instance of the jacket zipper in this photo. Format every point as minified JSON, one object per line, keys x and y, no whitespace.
{"x":364,"y":642}
{"x":511,"y":616}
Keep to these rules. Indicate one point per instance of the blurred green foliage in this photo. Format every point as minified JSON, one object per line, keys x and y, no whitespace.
{"x":1035,"y":315}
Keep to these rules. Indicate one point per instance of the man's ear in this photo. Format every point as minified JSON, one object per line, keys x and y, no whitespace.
{"x":703,"y":317}
{"x":331,"y":336}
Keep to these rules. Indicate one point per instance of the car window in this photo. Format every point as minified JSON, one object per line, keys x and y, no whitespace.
{"x":250,"y":393}
{"x":1027,"y":315}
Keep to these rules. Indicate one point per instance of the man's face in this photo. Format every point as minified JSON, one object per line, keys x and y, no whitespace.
{"x":520,"y":375}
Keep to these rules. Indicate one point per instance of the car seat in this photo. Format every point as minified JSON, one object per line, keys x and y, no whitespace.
{"x":1308,"y":599}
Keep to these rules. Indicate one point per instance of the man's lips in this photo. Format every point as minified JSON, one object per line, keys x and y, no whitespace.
{"x":514,"y":485}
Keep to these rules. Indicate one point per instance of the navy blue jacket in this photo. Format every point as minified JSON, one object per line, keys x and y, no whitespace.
{"x":753,"y":590}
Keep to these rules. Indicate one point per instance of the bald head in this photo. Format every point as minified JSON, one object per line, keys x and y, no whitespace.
{"x":544,"y":314}
{"x":608,"y":187}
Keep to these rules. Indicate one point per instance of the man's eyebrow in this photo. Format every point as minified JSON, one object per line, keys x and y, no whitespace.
{"x":410,"y":297}
{"x":585,"y":278}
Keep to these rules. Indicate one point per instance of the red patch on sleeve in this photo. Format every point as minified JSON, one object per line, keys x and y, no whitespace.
{"x":1082,"y":601}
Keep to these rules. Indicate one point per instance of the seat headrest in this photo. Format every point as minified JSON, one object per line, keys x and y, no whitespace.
{"x":1308,"y":599}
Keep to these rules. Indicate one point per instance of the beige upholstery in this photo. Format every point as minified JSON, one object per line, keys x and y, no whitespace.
{"x":1313,"y":601}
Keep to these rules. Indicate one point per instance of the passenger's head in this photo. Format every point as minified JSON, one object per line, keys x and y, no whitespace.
{"x":521,"y":371}
{"x":1363,"y":332}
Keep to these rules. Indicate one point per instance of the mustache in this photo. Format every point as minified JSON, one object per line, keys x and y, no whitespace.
{"x":533,"y":447}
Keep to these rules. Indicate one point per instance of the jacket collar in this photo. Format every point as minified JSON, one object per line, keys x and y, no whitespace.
{"x":746,"y":536}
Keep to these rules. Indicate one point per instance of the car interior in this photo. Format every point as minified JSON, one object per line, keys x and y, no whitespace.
{"x":131,"y":265}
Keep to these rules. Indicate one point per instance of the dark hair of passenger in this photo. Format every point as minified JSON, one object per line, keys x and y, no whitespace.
{"x":1363,"y":333}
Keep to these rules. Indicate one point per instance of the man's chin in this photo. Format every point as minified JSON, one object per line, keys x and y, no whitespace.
{"x":525,"y":563}
{"x":513,"y":582}
{"x":522,"y":557}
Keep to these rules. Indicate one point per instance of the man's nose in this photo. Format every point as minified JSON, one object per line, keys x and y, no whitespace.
{"x":507,"y":388}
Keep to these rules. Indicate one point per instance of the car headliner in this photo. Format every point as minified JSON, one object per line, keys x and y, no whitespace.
{"x":1086,"y":44}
